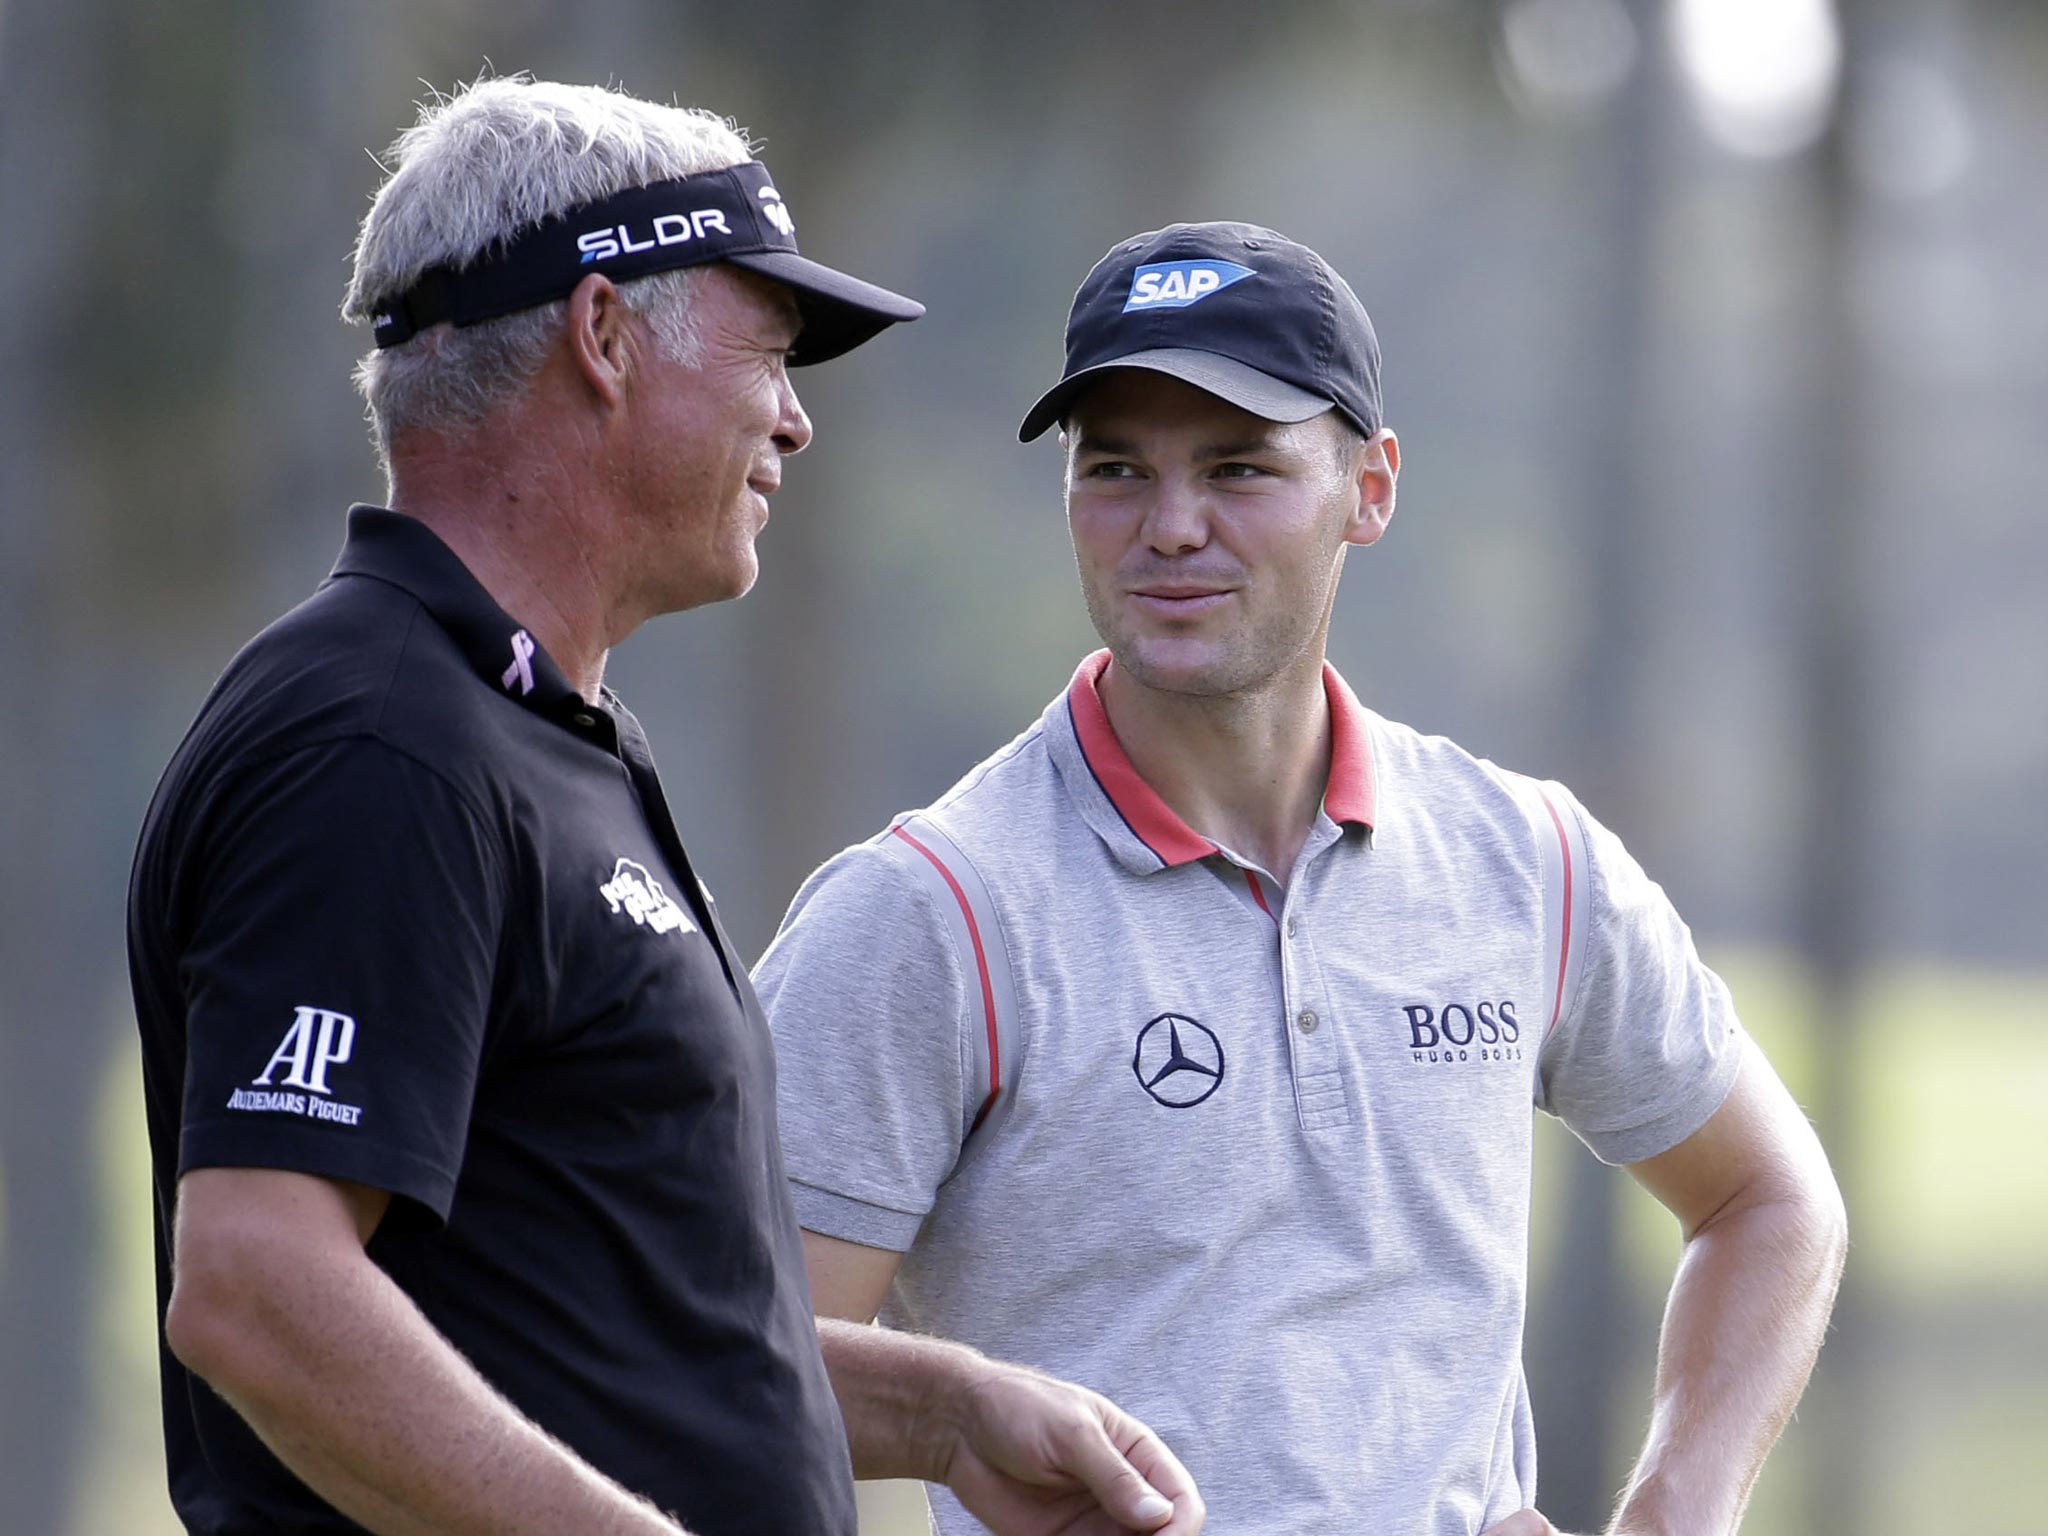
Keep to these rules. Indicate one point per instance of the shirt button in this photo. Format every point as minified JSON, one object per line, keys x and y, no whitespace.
{"x":1293,"y":926}
{"x":586,"y":721}
{"x":1308,"y":1021}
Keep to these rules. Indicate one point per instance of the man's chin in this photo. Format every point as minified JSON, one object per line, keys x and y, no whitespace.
{"x":706,"y":587}
{"x":1177,"y":664}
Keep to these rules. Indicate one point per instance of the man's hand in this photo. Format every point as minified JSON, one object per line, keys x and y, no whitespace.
{"x":1034,"y":1456}
{"x":1028,"y":1455}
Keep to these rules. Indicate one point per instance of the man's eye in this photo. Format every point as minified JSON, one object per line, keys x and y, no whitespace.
{"x":1109,"y":469}
{"x":1236,"y":471}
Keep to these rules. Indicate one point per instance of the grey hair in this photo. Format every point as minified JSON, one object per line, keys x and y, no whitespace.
{"x":478,"y":168}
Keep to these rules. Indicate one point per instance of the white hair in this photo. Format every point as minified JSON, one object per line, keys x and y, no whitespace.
{"x":479,"y":168}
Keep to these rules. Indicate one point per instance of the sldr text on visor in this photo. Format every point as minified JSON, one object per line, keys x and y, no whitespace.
{"x":734,"y":214}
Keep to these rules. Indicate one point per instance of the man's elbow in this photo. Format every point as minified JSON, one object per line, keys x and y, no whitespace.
{"x":218,"y":1324}
{"x":1831,"y":1227}
{"x":1812,"y":1223}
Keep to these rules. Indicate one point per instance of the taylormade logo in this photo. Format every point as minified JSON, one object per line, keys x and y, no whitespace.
{"x":1177,"y":284}
{"x":666,"y":229}
{"x":776,"y":211}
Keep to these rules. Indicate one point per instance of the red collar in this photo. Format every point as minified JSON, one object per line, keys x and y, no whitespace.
{"x":1349,"y":797}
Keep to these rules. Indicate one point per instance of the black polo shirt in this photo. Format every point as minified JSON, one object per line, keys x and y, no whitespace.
{"x":409,"y":911}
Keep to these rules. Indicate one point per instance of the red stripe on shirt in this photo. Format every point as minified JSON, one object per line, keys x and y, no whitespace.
{"x":988,"y":991}
{"x":1258,"y":895}
{"x":1564,"y":948}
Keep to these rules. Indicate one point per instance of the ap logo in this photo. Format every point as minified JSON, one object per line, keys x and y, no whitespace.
{"x":318,"y":1039}
{"x":1177,"y":284}
{"x":633,"y":891}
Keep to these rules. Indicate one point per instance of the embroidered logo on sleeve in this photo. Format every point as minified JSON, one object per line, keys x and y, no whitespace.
{"x":319,"y":1040}
{"x":633,"y":891}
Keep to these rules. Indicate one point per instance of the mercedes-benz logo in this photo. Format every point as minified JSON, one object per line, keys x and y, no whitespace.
{"x":1178,"y":1061}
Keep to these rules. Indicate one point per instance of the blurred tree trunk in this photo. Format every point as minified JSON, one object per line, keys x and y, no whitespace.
{"x":1587,"y":1328}
{"x":61,"y":898}
{"x":1840,"y":811}
{"x":294,"y":182}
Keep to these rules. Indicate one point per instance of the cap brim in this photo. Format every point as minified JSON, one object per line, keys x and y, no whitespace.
{"x":1224,"y":377}
{"x":839,"y":312}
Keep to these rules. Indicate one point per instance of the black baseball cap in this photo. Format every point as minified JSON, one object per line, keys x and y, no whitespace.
{"x":732,"y":215}
{"x":1234,"y":309}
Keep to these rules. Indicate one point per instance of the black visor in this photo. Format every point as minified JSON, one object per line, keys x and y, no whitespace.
{"x":733,"y":215}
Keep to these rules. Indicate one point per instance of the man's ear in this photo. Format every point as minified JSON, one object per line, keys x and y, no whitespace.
{"x":1377,"y":467}
{"x":600,"y":342}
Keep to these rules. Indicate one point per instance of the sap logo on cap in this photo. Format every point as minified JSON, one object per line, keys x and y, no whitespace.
{"x":1177,"y":284}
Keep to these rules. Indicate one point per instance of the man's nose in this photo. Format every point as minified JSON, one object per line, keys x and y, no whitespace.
{"x":792,"y":426}
{"x":1178,"y":518}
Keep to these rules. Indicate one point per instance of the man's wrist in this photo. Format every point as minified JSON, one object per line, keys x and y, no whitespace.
{"x":907,"y":1400}
{"x":949,"y":1376}
{"x":1650,"y":1508}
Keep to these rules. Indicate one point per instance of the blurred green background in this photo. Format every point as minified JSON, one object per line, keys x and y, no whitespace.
{"x":1717,"y":340}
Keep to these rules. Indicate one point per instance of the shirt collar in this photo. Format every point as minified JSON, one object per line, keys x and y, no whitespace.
{"x":1156,"y":826}
{"x":404,"y":552}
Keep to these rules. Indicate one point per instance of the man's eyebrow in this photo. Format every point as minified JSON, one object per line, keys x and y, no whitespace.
{"x":1097,"y":442}
{"x":1257,"y":443}
{"x":1238,"y":447}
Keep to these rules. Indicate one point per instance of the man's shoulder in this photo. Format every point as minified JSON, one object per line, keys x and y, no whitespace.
{"x":359,"y":661}
{"x":1431,"y":777}
{"x":999,"y":818}
{"x":1007,"y":794}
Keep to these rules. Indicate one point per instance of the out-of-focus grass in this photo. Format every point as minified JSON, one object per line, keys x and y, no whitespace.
{"x":1950,"y":1213}
{"x":124,"y":1488}
{"x":1948,"y":1217}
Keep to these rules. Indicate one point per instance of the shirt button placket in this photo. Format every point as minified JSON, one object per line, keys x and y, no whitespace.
{"x":1318,"y":1073}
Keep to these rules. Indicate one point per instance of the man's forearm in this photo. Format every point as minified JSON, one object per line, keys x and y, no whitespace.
{"x":1020,"y":1449}
{"x":1741,"y":1331}
{"x":352,"y":1388}
{"x":899,"y":1394}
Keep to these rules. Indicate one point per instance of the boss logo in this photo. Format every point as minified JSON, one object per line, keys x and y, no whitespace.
{"x":667,"y":229}
{"x":1463,"y":1032}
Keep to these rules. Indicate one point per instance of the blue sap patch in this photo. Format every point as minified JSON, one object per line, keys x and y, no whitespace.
{"x":1177,"y":284}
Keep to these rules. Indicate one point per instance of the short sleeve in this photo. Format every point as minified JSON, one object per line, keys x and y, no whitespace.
{"x":337,"y":969}
{"x":868,"y":1005}
{"x":1648,"y":1043}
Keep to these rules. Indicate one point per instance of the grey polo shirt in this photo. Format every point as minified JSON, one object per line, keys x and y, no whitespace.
{"x":1251,"y":1159}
